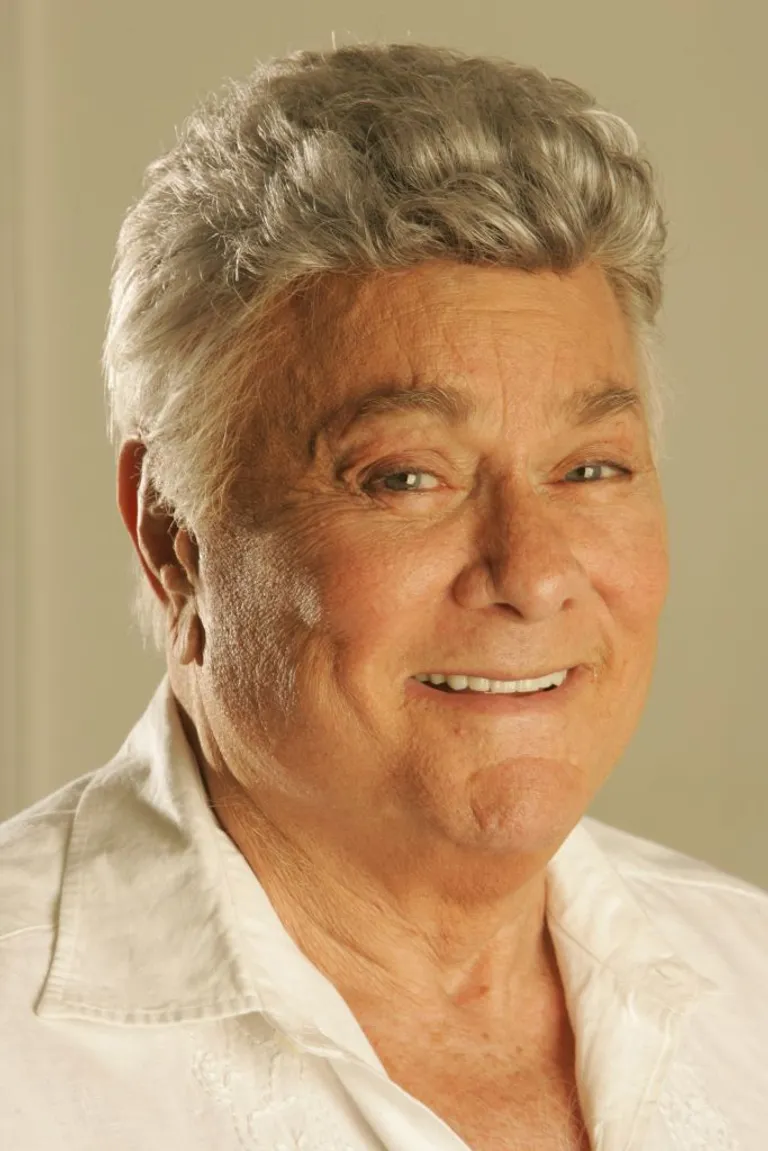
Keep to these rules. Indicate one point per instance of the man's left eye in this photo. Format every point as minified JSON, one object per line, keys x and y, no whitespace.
{"x":598,"y":467}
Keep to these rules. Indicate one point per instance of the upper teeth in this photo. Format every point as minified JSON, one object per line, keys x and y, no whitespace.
{"x":478,"y":683}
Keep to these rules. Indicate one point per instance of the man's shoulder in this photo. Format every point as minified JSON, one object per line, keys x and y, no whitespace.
{"x":33,"y":847}
{"x":634,"y":855}
{"x":719,"y":920}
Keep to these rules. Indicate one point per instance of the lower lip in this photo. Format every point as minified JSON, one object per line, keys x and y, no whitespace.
{"x":508,"y":703}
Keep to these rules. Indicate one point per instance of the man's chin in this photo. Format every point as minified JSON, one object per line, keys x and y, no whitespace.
{"x":525,"y":805}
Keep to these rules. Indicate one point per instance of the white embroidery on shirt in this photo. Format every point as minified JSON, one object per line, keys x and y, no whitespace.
{"x":273,"y":1103}
{"x":694,"y":1122}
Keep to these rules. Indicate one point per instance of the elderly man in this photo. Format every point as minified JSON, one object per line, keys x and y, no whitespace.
{"x":380,"y":361}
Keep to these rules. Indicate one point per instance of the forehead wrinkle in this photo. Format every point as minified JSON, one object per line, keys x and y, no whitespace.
{"x":453,"y":406}
{"x":405,"y":388}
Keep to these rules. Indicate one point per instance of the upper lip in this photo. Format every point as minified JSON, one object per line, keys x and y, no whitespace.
{"x":551,"y":670}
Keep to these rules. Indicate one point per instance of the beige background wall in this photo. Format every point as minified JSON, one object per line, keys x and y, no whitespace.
{"x":91,"y":91}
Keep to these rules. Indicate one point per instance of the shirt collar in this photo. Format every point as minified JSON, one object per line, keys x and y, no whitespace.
{"x":161,"y":920}
{"x":145,"y":931}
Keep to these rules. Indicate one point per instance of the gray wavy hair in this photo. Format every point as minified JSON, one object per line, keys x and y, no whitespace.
{"x":362,"y":158}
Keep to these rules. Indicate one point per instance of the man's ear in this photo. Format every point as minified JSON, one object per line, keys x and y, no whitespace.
{"x":168,"y":555}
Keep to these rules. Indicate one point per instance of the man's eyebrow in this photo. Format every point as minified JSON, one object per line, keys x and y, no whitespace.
{"x":600,"y":401}
{"x":454,"y":406}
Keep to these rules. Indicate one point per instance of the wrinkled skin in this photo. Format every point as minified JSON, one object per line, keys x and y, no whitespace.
{"x":294,"y":631}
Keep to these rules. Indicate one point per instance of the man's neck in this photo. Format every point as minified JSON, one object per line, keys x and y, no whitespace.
{"x":482,"y":962}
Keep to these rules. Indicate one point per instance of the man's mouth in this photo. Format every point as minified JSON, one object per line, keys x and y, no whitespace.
{"x":486,"y":685}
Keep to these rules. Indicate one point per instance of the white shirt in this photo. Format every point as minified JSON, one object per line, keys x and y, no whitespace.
{"x":150,"y":997}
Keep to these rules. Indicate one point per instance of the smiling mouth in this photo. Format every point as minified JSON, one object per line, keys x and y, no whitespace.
{"x":457,"y":683}
{"x":475,"y":691}
{"x":558,"y":690}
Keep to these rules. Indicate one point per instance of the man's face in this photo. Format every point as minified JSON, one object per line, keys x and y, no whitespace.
{"x":515,"y":540}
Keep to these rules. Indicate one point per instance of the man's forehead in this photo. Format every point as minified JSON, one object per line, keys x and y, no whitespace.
{"x":460,"y":317}
{"x":337,"y":378}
